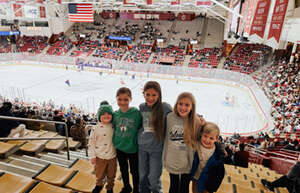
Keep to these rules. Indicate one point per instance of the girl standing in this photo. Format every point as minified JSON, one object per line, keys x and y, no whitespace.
{"x":150,"y":138}
{"x":127,"y":121}
{"x":182,"y":128}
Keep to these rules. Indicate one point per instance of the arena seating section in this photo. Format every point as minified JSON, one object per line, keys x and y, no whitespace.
{"x":41,"y":165}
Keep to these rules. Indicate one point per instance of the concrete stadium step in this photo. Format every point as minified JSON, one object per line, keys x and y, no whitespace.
{"x":76,"y":155}
{"x":62,"y":156}
{"x":26,"y":164}
{"x":37,"y":160}
{"x":7,"y":167}
{"x":79,"y":153}
{"x":55,"y":159}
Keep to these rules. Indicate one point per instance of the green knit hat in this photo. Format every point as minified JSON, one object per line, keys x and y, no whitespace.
{"x":104,"y":109}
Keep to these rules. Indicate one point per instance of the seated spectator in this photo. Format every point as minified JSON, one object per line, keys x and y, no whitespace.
{"x":292,"y":145}
{"x":264,"y":145}
{"x":228,"y":155}
{"x":241,"y":158}
{"x":59,"y":127}
{"x":291,"y":181}
{"x":9,"y":128}
{"x":78,"y":132}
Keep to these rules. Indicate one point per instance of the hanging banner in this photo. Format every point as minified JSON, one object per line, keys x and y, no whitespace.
{"x":42,"y":12}
{"x":18,"y":10}
{"x":128,"y":2}
{"x":176,"y":2}
{"x":278,"y":19}
{"x":260,"y":18}
{"x":204,"y":3}
{"x":249,"y":16}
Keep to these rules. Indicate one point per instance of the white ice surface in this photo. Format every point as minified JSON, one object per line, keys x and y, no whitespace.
{"x":88,"y":89}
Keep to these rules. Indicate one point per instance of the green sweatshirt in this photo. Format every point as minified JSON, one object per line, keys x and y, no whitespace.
{"x":126,"y":127}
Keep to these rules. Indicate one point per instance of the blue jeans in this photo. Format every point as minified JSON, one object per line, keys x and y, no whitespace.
{"x":150,"y":170}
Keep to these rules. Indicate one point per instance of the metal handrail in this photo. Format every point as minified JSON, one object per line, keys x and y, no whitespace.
{"x":45,"y":138}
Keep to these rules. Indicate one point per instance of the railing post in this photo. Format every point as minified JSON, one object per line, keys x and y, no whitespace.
{"x":67,"y":140}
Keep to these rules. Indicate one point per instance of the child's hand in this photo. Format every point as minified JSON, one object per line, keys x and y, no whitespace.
{"x":93,"y":161}
{"x":202,"y":121}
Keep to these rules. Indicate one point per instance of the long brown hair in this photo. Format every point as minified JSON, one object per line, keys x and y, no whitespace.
{"x":156,"y":120}
{"x":192,"y":123}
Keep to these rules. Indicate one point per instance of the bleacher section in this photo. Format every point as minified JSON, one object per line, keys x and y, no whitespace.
{"x":247,"y":57}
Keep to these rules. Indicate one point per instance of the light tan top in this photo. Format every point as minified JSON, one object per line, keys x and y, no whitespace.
{"x":204,"y":154}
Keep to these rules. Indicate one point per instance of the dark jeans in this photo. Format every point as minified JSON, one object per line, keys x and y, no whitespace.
{"x":179,"y":183}
{"x":123,"y":159}
{"x":283,"y":181}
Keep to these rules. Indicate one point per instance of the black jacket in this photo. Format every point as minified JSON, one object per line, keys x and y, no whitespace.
{"x":6,"y":125}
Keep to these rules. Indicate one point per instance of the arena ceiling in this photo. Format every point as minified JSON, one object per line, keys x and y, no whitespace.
{"x":217,"y":8}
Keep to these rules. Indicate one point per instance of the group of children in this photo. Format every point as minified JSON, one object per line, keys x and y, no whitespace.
{"x":152,"y":137}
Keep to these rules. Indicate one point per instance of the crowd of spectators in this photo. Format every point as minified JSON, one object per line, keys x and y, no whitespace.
{"x":207,"y":57}
{"x":247,"y":58}
{"x":280,"y":82}
{"x":74,"y":118}
{"x":32,"y":44}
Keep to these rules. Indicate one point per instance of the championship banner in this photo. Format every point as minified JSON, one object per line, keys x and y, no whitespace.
{"x":278,"y":19}
{"x":128,"y":2}
{"x":249,"y":16}
{"x":203,"y":3}
{"x":18,"y":10}
{"x":177,"y":2}
{"x":42,"y":12}
{"x":260,"y":18}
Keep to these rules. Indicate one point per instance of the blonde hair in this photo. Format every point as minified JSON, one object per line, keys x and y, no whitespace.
{"x":192,"y":123}
{"x":211,"y":128}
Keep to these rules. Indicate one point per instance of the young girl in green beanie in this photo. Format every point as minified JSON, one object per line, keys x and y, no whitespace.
{"x":102,"y":151}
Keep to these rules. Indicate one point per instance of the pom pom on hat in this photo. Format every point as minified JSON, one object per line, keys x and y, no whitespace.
{"x":105,"y":108}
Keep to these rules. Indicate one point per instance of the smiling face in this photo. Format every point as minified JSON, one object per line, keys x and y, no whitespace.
{"x":105,"y":118}
{"x":123,"y":101}
{"x":184,"y":107}
{"x":208,"y":139}
{"x":151,"y":96}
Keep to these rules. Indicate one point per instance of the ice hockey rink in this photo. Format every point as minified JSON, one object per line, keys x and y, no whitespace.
{"x":232,"y":108}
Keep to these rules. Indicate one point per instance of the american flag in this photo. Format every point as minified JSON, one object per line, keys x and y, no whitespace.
{"x":81,"y":12}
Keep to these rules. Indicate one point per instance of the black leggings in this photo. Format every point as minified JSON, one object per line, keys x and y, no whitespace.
{"x":285,"y":182}
{"x":123,"y":159}
{"x":179,"y":183}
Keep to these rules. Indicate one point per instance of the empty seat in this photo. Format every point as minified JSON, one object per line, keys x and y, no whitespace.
{"x":82,"y":182}
{"x":11,"y":183}
{"x":73,"y":145}
{"x":241,"y":182}
{"x":225,"y":188}
{"x":55,"y":145}
{"x":43,"y":187}
{"x":259,"y":185}
{"x":16,"y":142}
{"x":7,"y":149}
{"x":243,"y":189}
{"x":54,"y":174}
{"x":32,"y":148}
{"x":82,"y":165}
